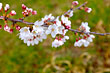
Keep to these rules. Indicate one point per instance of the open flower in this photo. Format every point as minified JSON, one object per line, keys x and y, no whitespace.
{"x":84,"y":27}
{"x":6,"y":7}
{"x":38,"y":26}
{"x":48,"y":17}
{"x":53,"y":30}
{"x":81,"y":42}
{"x":88,"y":9}
{"x":56,"y":43}
{"x":75,"y":3}
{"x":7,"y":28}
{"x":90,"y":38}
{"x":71,"y":13}
{"x":66,"y":22}
{"x":0,"y":6}
{"x":12,"y":13}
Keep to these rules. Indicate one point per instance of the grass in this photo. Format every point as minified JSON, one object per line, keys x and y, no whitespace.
{"x":17,"y":57}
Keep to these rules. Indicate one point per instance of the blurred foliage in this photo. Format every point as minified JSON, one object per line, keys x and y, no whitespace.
{"x":17,"y":57}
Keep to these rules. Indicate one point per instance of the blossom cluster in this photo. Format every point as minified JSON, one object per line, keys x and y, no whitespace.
{"x":85,"y":39}
{"x":57,"y":27}
{"x":12,"y":13}
{"x":27,"y":11}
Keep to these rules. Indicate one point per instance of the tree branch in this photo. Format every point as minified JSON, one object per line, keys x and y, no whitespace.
{"x":76,"y":31}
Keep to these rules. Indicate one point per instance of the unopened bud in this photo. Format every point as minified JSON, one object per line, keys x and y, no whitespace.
{"x":75,"y":3}
{"x":12,"y":13}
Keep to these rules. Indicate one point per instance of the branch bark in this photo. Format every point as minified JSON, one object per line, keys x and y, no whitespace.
{"x":73,"y":30}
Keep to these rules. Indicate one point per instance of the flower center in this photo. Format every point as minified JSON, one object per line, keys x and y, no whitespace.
{"x":25,"y":30}
{"x":53,"y":29}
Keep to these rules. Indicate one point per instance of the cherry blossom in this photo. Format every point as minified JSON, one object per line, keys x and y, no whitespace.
{"x":66,"y":22}
{"x":81,"y":42}
{"x":75,"y":3}
{"x":53,"y":30}
{"x":7,"y":28}
{"x":56,"y":43}
{"x":0,"y":26}
{"x":27,"y":11}
{"x":58,"y":26}
{"x":71,"y":13}
{"x":38,"y":26}
{"x":6,"y":7}
{"x":84,"y":27}
{"x":88,"y":9}
{"x":0,"y":6}
{"x":12,"y":13}
{"x":48,"y":18}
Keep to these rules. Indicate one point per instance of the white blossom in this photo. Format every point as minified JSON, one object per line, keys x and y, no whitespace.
{"x":90,"y":38}
{"x":6,"y":7}
{"x":71,"y":13}
{"x":24,"y":33}
{"x":56,"y":43}
{"x":65,"y":38}
{"x":0,"y":6}
{"x":75,"y":3}
{"x":38,"y":26}
{"x":53,"y":30}
{"x":85,"y":27}
{"x":88,"y":9}
{"x":84,"y":42}
{"x":65,"y":21}
{"x":48,"y":17}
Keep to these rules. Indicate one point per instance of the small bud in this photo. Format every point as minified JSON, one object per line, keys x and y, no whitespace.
{"x":67,"y":27}
{"x":34,"y":12}
{"x":85,"y":37}
{"x":18,"y":27}
{"x":23,"y":7}
{"x":57,"y":38}
{"x":6,"y":28}
{"x":54,"y":22}
{"x":77,"y":40}
{"x":6,"y":7}
{"x":75,"y":3}
{"x":88,"y":35}
{"x":88,"y":9}
{"x":0,"y":26}
{"x":29,"y":9}
{"x":0,"y":6}
{"x":11,"y":31}
{"x":12,"y":13}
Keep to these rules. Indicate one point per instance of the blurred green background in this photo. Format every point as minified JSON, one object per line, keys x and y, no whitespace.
{"x":17,"y":57}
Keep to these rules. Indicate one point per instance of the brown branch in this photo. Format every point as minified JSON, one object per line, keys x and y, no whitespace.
{"x":76,"y":31}
{"x":16,"y":20}
{"x":75,"y":8}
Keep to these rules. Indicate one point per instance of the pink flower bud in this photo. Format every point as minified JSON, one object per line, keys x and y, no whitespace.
{"x":6,"y":7}
{"x":77,"y":40}
{"x":34,"y":12}
{"x":85,"y":37}
{"x":23,"y":7}
{"x":75,"y":3}
{"x":18,"y":27}
{"x":67,"y":27}
{"x":0,"y":26}
{"x":88,"y":9}
{"x":12,"y":13}
{"x":6,"y":28}
{"x":11,"y":31}
{"x":0,"y":6}
{"x":29,"y":9}
{"x":25,"y":12}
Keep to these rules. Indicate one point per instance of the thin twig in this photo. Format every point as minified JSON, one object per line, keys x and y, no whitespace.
{"x":76,"y":31}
